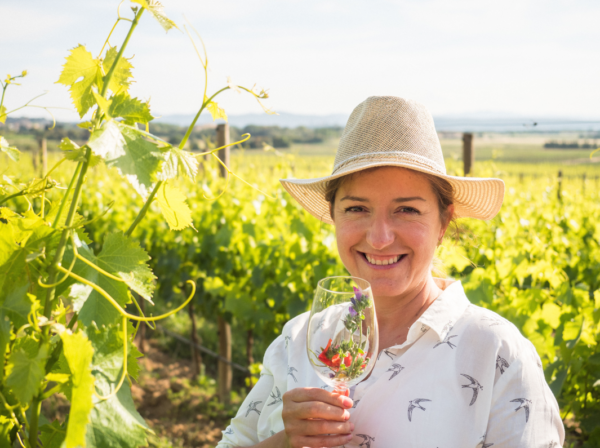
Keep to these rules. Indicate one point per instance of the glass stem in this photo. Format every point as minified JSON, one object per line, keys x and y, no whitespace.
{"x":341,"y":389}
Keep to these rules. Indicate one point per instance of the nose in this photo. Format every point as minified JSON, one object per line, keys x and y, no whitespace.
{"x":380,"y":233}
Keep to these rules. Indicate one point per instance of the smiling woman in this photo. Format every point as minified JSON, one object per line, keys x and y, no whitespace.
{"x":449,"y":373}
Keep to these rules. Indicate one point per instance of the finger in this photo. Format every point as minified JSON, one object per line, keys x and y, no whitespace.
{"x":323,"y":441}
{"x":320,"y":410}
{"x":302,"y":394}
{"x":324,"y":427}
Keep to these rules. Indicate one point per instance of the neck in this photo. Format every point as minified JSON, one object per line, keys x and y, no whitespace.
{"x":396,"y":314}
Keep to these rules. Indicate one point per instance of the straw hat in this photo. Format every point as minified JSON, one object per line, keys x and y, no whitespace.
{"x":392,"y":131}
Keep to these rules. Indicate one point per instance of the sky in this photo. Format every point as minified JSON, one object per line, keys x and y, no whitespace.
{"x":462,"y":57}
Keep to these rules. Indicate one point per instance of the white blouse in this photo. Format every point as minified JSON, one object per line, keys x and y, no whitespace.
{"x":465,"y":377}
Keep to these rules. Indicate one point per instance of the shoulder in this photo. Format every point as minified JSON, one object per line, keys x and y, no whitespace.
{"x":490,"y":333}
{"x":296,"y":326}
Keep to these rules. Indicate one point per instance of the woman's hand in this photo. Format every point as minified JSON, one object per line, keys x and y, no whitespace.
{"x":313,"y":417}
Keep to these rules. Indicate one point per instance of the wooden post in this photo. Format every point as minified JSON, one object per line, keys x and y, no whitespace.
{"x":559,"y":185}
{"x":196,"y":356}
{"x":225,"y":373}
{"x":43,"y":156}
{"x":468,"y":153}
{"x":222,"y":140}
{"x":249,"y":356}
{"x":225,"y":376}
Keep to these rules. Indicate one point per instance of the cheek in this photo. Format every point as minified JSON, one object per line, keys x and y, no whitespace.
{"x":422,"y":239}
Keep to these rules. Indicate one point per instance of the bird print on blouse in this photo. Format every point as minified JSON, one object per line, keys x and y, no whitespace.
{"x":252,"y":407}
{"x":447,"y":341}
{"x":387,"y":352}
{"x":276,"y":396}
{"x":447,"y":328}
{"x":501,"y":364}
{"x":523,"y":404}
{"x":355,"y":404}
{"x":229,"y":430}
{"x":271,"y":432}
{"x":482,"y":443}
{"x":367,"y":439}
{"x":320,"y":324}
{"x":287,"y":341}
{"x":291,"y":371}
{"x":474,"y":386}
{"x":424,"y":328}
{"x":416,"y":403}
{"x":396,"y":368}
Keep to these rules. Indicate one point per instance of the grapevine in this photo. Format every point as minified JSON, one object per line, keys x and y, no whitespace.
{"x":64,"y":326}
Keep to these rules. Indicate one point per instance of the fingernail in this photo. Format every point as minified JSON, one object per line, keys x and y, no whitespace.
{"x":346,"y":415}
{"x":347,"y":402}
{"x":351,"y":426}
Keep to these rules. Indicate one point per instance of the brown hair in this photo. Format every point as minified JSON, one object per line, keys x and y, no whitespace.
{"x":442,"y":189}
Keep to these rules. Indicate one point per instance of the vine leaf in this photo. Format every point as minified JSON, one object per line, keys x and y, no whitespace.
{"x":25,"y":368}
{"x":115,"y":422}
{"x":78,"y":352}
{"x":131,"y":109}
{"x":81,"y":64}
{"x":179,"y":163}
{"x":121,"y":257}
{"x":173,"y":207}
{"x":135,"y":158}
{"x":10,"y":151}
{"x":6,"y":426}
{"x":157,"y":10}
{"x":73,"y":152}
{"x":53,"y":434}
{"x":215,"y":111}
{"x":120,"y":80}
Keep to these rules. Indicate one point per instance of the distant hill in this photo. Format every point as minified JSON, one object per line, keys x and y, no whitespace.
{"x":480,"y":122}
{"x":284,"y":120}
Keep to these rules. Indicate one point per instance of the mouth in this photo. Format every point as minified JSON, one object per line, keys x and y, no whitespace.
{"x":382,"y":260}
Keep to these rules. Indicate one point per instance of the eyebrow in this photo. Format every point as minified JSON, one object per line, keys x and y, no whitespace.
{"x":357,"y":199}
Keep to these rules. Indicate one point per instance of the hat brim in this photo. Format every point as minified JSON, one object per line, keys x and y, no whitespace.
{"x":475,"y":197}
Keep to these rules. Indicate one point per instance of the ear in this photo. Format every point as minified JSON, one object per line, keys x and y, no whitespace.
{"x":447,"y":223}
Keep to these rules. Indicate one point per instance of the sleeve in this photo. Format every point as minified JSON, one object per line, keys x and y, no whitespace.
{"x":524,"y":412}
{"x":243,"y":430}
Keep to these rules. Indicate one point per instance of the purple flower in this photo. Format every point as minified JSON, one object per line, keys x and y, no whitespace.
{"x":331,"y":375}
{"x":353,"y":312}
{"x":357,"y":293}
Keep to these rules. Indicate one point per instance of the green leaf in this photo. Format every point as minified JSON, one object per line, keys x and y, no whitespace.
{"x":16,"y":303}
{"x":157,"y":10}
{"x":173,"y":207}
{"x":120,"y":79}
{"x":131,"y":109}
{"x":25,"y":369}
{"x":10,"y":151}
{"x":73,"y":152}
{"x":78,"y":352}
{"x":81,"y":64}
{"x":121,"y":257}
{"x":137,"y":159}
{"x":180,"y":163}
{"x":215,"y":110}
{"x":53,"y":435}
{"x":115,"y":422}
{"x":3,"y":114}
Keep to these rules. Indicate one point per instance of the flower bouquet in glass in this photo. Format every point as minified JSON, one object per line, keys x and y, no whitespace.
{"x":342,"y":331}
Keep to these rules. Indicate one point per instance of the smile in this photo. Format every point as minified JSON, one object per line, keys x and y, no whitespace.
{"x":382,"y":261}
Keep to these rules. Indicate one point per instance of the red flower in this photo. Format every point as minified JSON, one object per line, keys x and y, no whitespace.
{"x":348,"y":360}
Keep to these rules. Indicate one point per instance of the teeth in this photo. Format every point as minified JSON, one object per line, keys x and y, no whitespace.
{"x":383,"y":262}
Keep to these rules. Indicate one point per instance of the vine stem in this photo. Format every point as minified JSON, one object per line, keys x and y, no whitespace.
{"x":144,"y":209}
{"x":191,"y":126}
{"x":121,"y":50}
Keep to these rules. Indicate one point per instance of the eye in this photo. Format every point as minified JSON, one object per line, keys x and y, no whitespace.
{"x":354,"y":209}
{"x":409,"y":210}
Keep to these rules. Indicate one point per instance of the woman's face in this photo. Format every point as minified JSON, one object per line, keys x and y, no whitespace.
{"x":387,"y":225}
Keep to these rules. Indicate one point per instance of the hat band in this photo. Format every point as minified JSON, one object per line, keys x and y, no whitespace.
{"x":376,"y":158}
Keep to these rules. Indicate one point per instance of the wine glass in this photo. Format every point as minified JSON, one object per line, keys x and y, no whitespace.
{"x":342,"y":338}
